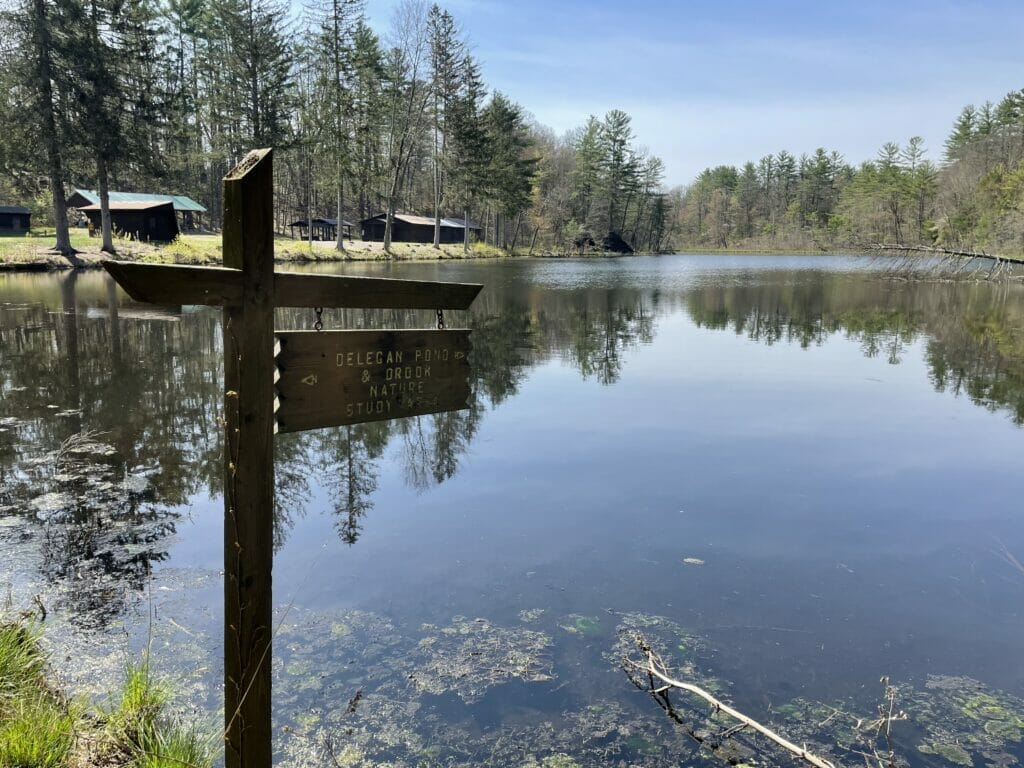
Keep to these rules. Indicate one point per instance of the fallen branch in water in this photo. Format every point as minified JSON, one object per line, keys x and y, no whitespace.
{"x":655,"y":668}
{"x":936,"y":251}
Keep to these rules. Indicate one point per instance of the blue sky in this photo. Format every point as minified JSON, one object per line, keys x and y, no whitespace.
{"x":724,"y":82}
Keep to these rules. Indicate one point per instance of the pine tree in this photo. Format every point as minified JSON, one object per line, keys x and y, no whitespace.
{"x":468,"y":141}
{"x":446,"y":52}
{"x":964,"y":132}
{"x":112,"y":62}
{"x":586,"y":173}
{"x":40,"y":29}
{"x":254,"y":83}
{"x":511,"y":168}
{"x":336,"y":20}
{"x":367,"y":117}
{"x":616,"y":136}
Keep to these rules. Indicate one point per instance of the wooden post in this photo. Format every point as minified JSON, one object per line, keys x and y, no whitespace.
{"x":249,"y":463}
{"x":248,"y":289}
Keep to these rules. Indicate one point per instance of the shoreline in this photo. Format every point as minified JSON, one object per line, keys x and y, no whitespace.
{"x":204,"y":250}
{"x":208,"y":253}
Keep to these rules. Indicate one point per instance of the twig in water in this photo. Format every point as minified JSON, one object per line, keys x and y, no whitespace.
{"x":655,"y":667}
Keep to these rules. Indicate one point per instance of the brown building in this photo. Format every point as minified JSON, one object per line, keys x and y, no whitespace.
{"x":14,"y":219}
{"x":407,"y":228}
{"x":140,"y":221}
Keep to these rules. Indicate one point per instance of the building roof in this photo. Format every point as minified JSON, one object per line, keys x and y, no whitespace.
{"x":330,"y":222}
{"x":181,"y":203}
{"x":15,"y":209}
{"x":129,"y":206}
{"x":409,"y":218}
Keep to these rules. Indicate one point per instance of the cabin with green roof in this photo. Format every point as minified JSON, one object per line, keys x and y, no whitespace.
{"x":188,"y":211}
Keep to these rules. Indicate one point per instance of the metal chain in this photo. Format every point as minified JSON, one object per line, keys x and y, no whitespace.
{"x":440,"y":319}
{"x":319,"y":324}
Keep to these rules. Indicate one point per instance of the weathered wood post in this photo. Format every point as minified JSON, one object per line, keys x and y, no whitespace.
{"x":249,"y":463}
{"x":430,"y":371}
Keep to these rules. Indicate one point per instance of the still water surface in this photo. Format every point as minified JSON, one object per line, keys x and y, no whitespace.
{"x":793,"y":475}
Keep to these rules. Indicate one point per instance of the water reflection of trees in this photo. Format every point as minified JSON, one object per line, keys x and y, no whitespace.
{"x":148,"y":383}
{"x":973,"y":333}
{"x":145,"y":382}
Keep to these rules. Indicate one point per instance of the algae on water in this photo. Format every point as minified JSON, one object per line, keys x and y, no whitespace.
{"x":470,"y":656}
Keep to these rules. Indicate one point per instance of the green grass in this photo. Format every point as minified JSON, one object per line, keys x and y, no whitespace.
{"x":36,"y":723}
{"x":36,"y":733}
{"x":42,"y":728}
{"x":206,"y":249}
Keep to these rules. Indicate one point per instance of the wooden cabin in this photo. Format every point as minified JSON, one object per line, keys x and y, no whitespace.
{"x":15,"y":220}
{"x":152,"y":221}
{"x":407,"y":228}
{"x":323,"y":229}
{"x":189,"y":213}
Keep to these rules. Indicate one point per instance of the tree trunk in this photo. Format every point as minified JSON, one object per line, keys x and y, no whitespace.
{"x":103,"y":187}
{"x":515,"y":233}
{"x":388,"y":224}
{"x":533,"y":241}
{"x":437,"y":191}
{"x":339,"y":231}
{"x":465,"y":231}
{"x":309,"y":200}
{"x":43,"y":46}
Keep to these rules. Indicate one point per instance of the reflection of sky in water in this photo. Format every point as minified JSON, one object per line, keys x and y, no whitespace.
{"x":849,"y":516}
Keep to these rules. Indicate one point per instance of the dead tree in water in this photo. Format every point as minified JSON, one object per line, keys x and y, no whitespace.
{"x":953,"y":260}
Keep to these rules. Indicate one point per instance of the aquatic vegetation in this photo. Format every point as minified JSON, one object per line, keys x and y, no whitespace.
{"x":952,"y":753}
{"x":576,"y":624}
{"x":960,"y":715}
{"x":471,"y":655}
{"x":552,"y":761}
{"x":531,"y":615}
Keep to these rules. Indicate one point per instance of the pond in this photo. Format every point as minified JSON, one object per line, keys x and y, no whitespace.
{"x":793,"y":475}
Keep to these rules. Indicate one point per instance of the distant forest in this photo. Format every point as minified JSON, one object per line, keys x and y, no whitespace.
{"x":973,"y":199}
{"x":133,"y":95}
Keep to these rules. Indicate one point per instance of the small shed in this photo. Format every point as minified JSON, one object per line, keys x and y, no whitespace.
{"x":323,"y":229}
{"x":141,"y":221}
{"x":407,"y":228}
{"x":15,"y":220}
{"x":189,"y":212}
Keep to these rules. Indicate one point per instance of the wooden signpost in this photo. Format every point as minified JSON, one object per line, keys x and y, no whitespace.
{"x":293,"y":381}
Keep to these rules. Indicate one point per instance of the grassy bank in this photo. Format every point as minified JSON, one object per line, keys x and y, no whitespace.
{"x":35,"y":251}
{"x":41,"y":727}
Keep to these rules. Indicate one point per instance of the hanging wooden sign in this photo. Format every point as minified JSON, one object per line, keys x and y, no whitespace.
{"x":337,"y":378}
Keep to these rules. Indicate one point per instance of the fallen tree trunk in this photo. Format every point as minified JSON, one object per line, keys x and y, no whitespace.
{"x":945,"y":252}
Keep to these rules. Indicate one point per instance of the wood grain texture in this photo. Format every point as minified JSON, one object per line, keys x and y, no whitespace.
{"x":249,"y":463}
{"x":337,"y":378}
{"x":220,"y":286}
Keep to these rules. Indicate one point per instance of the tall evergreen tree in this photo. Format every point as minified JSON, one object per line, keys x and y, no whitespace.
{"x":446,"y":53}
{"x":336,"y":21}
{"x":468,"y":148}
{"x":510,"y":168}
{"x":40,"y":25}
